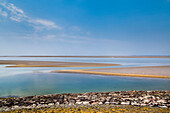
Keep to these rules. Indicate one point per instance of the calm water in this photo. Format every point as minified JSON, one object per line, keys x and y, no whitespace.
{"x":40,"y":84}
{"x":31,"y":81}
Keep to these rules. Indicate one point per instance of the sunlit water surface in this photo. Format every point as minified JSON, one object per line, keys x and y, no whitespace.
{"x":38,"y":80}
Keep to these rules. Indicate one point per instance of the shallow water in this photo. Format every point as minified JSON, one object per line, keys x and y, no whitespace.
{"x":126,"y":62}
{"x":40,"y":84}
{"x":31,"y":81}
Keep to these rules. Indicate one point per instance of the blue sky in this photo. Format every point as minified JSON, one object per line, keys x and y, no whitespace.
{"x":84,"y":27}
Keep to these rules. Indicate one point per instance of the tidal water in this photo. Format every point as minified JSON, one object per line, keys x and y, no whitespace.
{"x":41,"y":84}
{"x":38,"y":81}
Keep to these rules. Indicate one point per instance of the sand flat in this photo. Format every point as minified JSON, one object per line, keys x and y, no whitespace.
{"x":20,"y":63}
{"x":147,"y":71}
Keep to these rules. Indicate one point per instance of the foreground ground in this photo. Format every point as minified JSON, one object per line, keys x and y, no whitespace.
{"x":103,"y":101}
{"x":92,"y":109}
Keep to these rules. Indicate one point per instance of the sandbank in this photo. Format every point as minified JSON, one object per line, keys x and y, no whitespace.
{"x":20,"y":63}
{"x":147,"y":71}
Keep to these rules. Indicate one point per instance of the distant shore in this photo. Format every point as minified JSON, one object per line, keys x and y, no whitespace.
{"x":147,"y":71}
{"x":98,"y":56}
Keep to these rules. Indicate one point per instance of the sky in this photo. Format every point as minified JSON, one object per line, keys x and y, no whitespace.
{"x":84,"y":27}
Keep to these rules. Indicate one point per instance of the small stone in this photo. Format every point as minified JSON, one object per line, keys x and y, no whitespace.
{"x":86,"y":103}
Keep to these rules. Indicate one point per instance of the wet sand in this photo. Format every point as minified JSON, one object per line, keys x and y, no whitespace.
{"x":97,"y":56}
{"x":20,"y":63}
{"x":147,"y":71}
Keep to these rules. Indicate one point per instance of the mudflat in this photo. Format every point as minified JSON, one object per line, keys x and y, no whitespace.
{"x":147,"y":71}
{"x":20,"y":63}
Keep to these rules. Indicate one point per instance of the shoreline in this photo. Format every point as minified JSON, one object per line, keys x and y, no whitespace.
{"x":120,"y":72}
